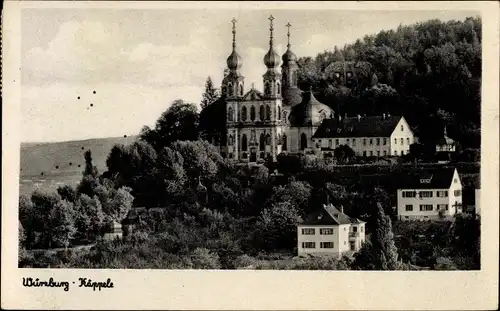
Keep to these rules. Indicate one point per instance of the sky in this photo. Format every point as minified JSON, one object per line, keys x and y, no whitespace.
{"x":139,"y":61}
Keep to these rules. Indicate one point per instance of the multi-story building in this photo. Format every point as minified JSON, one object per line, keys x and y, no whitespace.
{"x":330,"y":231}
{"x":369,"y":136}
{"x":433,"y":195}
{"x":251,"y":126}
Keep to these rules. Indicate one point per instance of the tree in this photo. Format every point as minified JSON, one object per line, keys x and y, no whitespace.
{"x":178,"y":122}
{"x":62,"y":223}
{"x":381,"y":252}
{"x":277,"y":226}
{"x":90,"y":169}
{"x":211,"y":94}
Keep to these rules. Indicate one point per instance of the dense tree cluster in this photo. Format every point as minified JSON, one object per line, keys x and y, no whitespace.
{"x":430,"y":72}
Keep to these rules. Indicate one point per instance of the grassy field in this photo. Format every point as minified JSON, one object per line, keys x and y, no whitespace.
{"x":47,"y":165}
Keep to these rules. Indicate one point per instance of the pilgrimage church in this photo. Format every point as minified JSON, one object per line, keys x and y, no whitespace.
{"x":251,"y":126}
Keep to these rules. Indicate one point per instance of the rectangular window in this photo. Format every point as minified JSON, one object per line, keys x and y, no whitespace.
{"x":361,"y":228}
{"x":326,"y":244}
{"x":402,"y":141}
{"x":409,"y":194}
{"x":336,"y":142}
{"x":371,"y":153}
{"x":408,"y":140}
{"x":457,"y":193}
{"x":354,"y":229}
{"x":378,"y":141}
{"x":308,"y":231}
{"x":425,"y":194}
{"x":364,"y":153}
{"x":385,"y":141}
{"x":443,"y":207}
{"x":409,"y":208}
{"x":371,"y":141}
{"x":426,"y":207}
{"x":347,"y":142}
{"x":326,"y":231}
{"x":378,"y":153}
{"x":385,"y":152}
{"x":395,"y":152}
{"x":308,"y":244}
{"x":395,"y":141}
{"x":330,"y":143}
{"x":354,"y":141}
{"x":364,"y":141}
{"x":441,"y":194}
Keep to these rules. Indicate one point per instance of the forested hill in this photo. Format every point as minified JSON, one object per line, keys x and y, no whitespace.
{"x":430,"y":72}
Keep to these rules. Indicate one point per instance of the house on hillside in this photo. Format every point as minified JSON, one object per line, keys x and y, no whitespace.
{"x":329,"y":231}
{"x":433,"y":195}
{"x":138,"y":215}
{"x":368,"y":136}
{"x":445,"y":144}
{"x":113,"y":231}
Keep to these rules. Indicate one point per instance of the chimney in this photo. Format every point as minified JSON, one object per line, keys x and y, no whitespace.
{"x":342,"y":209}
{"x":383,"y":116}
{"x":359,"y":118}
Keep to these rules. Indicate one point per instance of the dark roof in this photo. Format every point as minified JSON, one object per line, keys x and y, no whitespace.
{"x":445,"y":140}
{"x":440,"y":178}
{"x":292,"y":96}
{"x":253,"y":94}
{"x":309,"y":112}
{"x":327,"y":215}
{"x":371,"y":126}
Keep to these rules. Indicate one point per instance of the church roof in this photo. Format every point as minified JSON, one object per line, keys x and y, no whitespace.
{"x":310,"y":112}
{"x":371,"y":126}
{"x":327,"y":215}
{"x":253,"y":94}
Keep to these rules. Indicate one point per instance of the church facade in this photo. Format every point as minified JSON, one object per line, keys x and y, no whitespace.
{"x":261,"y":125}
{"x":254,"y":126}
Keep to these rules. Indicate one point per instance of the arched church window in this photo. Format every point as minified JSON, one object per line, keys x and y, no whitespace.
{"x":230,"y":114}
{"x":284,"y":142}
{"x":279,"y":113}
{"x":278,"y":88}
{"x":268,"y":139}
{"x":230,"y":140}
{"x":244,"y":142}
{"x":285,"y":116}
{"x":262,"y":142}
{"x":268,"y":112}
{"x":303,"y":141}
{"x":294,"y":78}
{"x":252,"y":113}
{"x":244,"y":114}
{"x":241,"y":89}
{"x":228,"y":91}
{"x":261,"y":112}
{"x":267,"y":88}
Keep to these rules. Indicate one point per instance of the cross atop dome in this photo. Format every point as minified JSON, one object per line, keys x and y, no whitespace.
{"x":271,"y":28}
{"x":288,"y":25}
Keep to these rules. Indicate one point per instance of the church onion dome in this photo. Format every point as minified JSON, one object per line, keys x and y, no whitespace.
{"x":291,"y":96}
{"x":288,"y":57}
{"x":272,"y":59}
{"x":234,"y":61}
{"x":310,"y":112}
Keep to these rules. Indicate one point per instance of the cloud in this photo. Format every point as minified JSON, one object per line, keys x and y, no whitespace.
{"x":94,"y":52}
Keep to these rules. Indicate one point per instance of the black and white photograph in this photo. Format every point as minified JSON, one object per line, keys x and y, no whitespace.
{"x":257,"y":138}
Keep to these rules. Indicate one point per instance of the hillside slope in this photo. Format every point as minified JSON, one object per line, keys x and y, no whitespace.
{"x":66,"y":158}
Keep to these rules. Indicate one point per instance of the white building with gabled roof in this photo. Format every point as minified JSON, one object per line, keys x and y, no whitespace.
{"x":431,"y":195}
{"x":329,"y":231}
